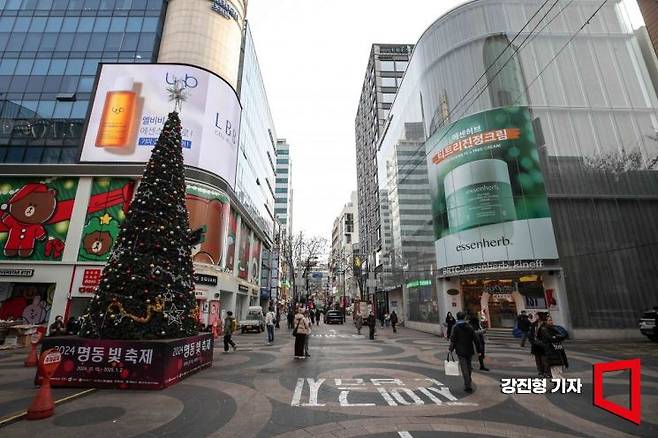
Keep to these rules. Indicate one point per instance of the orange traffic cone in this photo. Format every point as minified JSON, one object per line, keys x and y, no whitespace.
{"x":32,"y":359}
{"x":42,"y":406}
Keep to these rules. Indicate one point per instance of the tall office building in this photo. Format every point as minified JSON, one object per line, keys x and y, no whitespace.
{"x":344,"y":238}
{"x":386,"y":66}
{"x":283,"y":187}
{"x":50,"y":56}
{"x":542,"y":187}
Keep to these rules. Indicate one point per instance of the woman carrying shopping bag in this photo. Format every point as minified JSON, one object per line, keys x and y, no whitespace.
{"x":551,"y":340}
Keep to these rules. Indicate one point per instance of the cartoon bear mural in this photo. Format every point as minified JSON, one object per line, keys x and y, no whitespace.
{"x":26,"y":212}
{"x":101,"y":230}
{"x":35,"y":214}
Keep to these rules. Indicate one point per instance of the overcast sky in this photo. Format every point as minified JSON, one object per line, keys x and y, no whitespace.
{"x":313,"y":56}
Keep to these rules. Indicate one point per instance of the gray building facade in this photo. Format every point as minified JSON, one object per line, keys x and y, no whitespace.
{"x":386,"y":66}
{"x":593,"y":115}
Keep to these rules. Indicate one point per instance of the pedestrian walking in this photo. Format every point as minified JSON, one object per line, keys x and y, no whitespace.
{"x":310,"y":330}
{"x":523,"y":324}
{"x":464,"y":340}
{"x":371,"y":321}
{"x":312,"y":315}
{"x":277,"y":318}
{"x":536,"y":347}
{"x":479,"y":333}
{"x":394,"y":321}
{"x":269,"y":325}
{"x":230,"y":326}
{"x":450,"y":322}
{"x":291,"y":318}
{"x":299,"y":332}
{"x":318,"y":314}
{"x":387,"y":319}
{"x":381,"y":319}
{"x":556,"y":357}
{"x":358,"y":321}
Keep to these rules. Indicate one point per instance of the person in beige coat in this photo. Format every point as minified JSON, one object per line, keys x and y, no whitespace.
{"x":300,"y":331}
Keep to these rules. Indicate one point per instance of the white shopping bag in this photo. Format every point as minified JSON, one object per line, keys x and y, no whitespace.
{"x":451,"y":366}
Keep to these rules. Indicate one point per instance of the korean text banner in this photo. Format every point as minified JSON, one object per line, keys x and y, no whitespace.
{"x":132,"y":102}
{"x":489,"y":202}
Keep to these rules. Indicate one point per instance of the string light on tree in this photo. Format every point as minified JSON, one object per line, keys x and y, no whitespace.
{"x":147,"y":291}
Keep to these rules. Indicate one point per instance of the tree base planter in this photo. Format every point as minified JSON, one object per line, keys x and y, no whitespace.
{"x":114,"y":364}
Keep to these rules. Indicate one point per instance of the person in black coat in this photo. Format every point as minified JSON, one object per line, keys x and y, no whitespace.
{"x":536,"y":347}
{"x":450,"y":323}
{"x":474,"y":321}
{"x":551,"y":341}
{"x":464,"y":340}
{"x":371,"y":321}
{"x":394,"y":321}
{"x":72,"y":327}
{"x":523,"y":323}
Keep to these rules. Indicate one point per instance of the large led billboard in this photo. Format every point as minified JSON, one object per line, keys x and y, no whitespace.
{"x":489,"y":202}
{"x":130,"y":107}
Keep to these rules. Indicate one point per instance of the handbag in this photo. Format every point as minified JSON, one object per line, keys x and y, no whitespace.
{"x":294,"y":332}
{"x":451,"y":366}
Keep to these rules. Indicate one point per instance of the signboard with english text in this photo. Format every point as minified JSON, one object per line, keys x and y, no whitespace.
{"x":131,"y":105}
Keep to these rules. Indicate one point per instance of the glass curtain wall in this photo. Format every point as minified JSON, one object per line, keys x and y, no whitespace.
{"x":49,"y":53}
{"x":595,"y":116}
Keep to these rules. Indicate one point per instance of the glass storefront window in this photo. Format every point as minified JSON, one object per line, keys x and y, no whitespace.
{"x":423,"y":304}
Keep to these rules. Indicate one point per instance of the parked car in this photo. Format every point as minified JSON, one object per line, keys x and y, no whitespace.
{"x":648,"y":325}
{"x":333,"y":316}
{"x":255,"y":320}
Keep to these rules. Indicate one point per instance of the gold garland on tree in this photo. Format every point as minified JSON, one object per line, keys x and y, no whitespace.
{"x":158,"y":307}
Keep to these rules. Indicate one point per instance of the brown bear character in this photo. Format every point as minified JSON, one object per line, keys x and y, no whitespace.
{"x":26,"y":211}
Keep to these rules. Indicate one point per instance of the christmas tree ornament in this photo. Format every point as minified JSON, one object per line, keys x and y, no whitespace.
{"x":141,"y":275}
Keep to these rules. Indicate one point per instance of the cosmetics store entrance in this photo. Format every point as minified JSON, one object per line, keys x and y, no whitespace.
{"x":500,"y":300}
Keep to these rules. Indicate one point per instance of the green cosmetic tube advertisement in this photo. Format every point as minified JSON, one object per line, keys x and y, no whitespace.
{"x":479,"y":193}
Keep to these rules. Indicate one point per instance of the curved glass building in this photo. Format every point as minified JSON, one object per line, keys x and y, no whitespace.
{"x":521,"y":169}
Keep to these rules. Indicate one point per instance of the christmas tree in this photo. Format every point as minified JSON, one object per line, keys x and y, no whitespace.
{"x":146,"y":290}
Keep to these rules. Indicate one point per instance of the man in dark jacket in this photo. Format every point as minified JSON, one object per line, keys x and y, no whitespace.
{"x":371,"y":321}
{"x":464,"y":340}
{"x":523,"y":323}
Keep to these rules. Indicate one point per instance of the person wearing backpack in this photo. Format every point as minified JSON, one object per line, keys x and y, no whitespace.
{"x":230,"y":326}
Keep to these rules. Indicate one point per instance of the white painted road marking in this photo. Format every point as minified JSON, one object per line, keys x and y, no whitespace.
{"x":397,"y":393}
{"x":405,"y":434}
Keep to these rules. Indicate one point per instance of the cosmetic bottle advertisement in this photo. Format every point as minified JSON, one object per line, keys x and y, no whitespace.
{"x":489,"y":202}
{"x":130,"y":107}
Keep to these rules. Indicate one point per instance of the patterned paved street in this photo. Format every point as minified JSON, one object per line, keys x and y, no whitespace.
{"x":394,"y":386}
